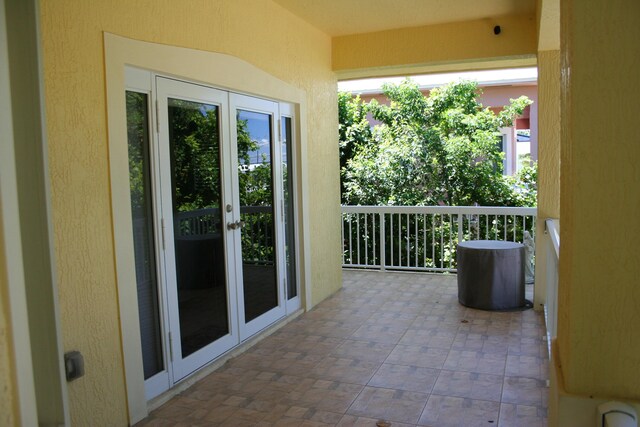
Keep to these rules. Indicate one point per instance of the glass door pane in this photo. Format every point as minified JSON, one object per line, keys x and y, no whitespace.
{"x":289,"y":211}
{"x":194,"y":147}
{"x":258,"y":242}
{"x":143,"y":232}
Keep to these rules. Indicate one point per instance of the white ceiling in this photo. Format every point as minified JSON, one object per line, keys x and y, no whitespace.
{"x":342,"y":17}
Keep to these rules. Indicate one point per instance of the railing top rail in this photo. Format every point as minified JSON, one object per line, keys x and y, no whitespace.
{"x":255,"y":209}
{"x":552,"y":229}
{"x":468,"y":210}
{"x":215,"y":211}
{"x":197,"y":212}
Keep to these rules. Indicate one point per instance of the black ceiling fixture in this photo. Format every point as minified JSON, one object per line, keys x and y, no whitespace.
{"x":497,"y":30}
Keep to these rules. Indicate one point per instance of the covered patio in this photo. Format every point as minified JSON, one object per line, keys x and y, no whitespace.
{"x":391,"y":346}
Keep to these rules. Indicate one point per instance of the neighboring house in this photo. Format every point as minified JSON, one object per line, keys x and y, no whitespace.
{"x":495,"y":96}
{"x":68,"y":280}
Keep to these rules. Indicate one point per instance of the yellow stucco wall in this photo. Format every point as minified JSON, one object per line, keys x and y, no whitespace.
{"x":549,"y":134}
{"x":8,"y":409}
{"x":548,"y":158}
{"x":599,"y":291}
{"x":259,"y":32}
{"x":437,"y":44}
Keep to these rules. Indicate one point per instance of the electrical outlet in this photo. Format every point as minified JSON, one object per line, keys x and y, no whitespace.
{"x":73,"y":365}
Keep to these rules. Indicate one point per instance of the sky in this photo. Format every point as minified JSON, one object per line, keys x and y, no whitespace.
{"x":513,"y":75}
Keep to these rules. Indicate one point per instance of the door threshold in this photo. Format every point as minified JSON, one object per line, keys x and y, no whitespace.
{"x":209,"y":368}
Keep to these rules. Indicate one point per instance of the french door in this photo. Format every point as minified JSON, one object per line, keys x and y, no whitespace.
{"x":258,"y":237}
{"x":199,"y":250}
{"x":211,"y":214}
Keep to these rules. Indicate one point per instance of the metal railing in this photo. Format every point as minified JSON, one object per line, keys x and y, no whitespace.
{"x":198,"y":224}
{"x":553,"y":254}
{"x":257,"y":233}
{"x":424,"y":238}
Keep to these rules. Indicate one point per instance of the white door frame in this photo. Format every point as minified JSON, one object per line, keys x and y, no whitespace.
{"x":213,"y":69}
{"x":159,"y":89}
{"x":288,"y":110}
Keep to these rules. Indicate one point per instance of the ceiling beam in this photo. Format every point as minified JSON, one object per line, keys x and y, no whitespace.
{"x":548,"y":24}
{"x":444,"y":47}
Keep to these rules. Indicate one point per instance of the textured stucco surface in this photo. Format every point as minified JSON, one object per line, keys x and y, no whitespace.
{"x":548,"y":16}
{"x":8,"y":412}
{"x":548,"y":157}
{"x":549,"y":134}
{"x":599,"y":296}
{"x":259,"y":32}
{"x":454,"y":42}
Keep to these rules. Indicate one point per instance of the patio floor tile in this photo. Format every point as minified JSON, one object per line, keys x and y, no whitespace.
{"x":387,"y":346}
{"x":512,"y":415}
{"x":471,"y":385}
{"x":447,"y":411}
{"x":389,"y":404}
{"x":408,"y":378}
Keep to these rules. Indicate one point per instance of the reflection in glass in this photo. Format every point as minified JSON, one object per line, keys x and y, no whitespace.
{"x":194,"y":138}
{"x":289,"y":219}
{"x":143,"y":237}
{"x":255,"y":179}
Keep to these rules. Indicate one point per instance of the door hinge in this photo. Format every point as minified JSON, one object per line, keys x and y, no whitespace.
{"x":157,"y":117}
{"x":162,"y":229}
{"x":170,"y":347}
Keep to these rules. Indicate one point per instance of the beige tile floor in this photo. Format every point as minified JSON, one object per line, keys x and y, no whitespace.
{"x":392,"y":346}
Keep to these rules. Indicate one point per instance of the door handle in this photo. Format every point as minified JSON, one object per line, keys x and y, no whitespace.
{"x":235,"y":225}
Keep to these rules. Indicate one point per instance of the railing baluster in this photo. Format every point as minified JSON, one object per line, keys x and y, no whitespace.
{"x":416,"y":240}
{"x":407,"y":240}
{"x":450,"y":237}
{"x":486,"y":230}
{"x":373,"y":236}
{"x":505,"y":227}
{"x":441,"y":241}
{"x":366,"y":241}
{"x":383,"y":245}
{"x":495,"y":228}
{"x":424,"y":239}
{"x":350,"y":239}
{"x":399,"y":240}
{"x":433,"y":240}
{"x":342,"y":235}
{"x":391,"y":237}
{"x":358,"y":236}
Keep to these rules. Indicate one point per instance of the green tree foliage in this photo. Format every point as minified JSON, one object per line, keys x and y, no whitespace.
{"x":353,"y":129}
{"x":137,"y":144}
{"x":440,"y":149}
{"x":194,"y":155}
{"x":525,"y":183}
{"x":196,"y":159}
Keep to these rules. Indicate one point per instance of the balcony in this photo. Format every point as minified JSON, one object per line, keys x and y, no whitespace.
{"x":424,"y":238}
{"x":390,"y":345}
